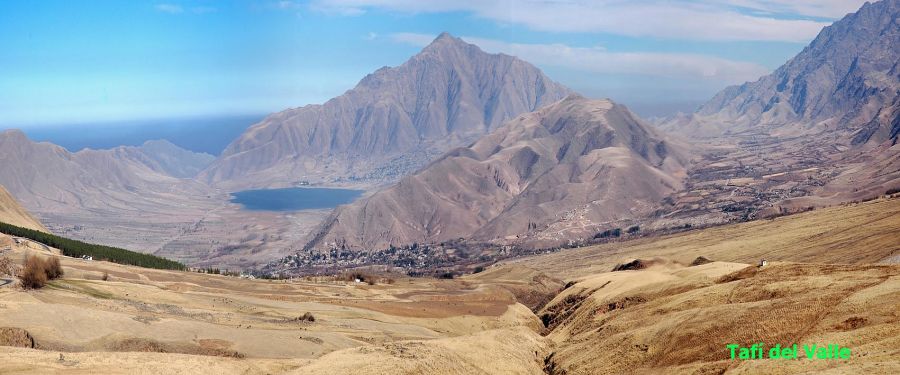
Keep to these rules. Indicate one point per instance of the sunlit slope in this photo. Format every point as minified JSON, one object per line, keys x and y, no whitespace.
{"x":676,"y":319}
{"x":13,"y":213}
{"x":861,"y":233}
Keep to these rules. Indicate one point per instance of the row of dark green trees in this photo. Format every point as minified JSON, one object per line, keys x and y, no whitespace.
{"x":74,"y":248}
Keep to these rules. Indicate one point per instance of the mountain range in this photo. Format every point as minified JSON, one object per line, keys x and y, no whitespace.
{"x":392,"y":123}
{"x":459,"y":143}
{"x":577,"y":161}
{"x":846,"y":82}
{"x":522,"y":181}
{"x":47,"y":177}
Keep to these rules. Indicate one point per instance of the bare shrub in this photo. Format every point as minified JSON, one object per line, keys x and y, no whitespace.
{"x":53,"y":268}
{"x":105,"y":276}
{"x":307,"y":317}
{"x":37,"y":271}
{"x":34,"y":273}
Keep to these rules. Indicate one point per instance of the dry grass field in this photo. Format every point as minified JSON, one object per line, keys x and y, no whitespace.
{"x":856,"y":233}
{"x":675,"y":319}
{"x":829,"y":280}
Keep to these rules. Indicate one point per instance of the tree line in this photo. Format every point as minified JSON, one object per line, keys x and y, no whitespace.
{"x":75,"y":248}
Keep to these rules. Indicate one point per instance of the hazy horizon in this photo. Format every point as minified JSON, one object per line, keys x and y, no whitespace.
{"x":208,"y":134}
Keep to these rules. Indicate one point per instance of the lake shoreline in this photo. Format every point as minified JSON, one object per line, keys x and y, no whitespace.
{"x":294,"y":198}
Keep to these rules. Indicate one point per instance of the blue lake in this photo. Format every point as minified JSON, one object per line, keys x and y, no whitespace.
{"x":294,"y":199}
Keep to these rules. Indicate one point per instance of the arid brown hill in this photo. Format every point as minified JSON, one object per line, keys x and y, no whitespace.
{"x":846,"y":81}
{"x":393,"y":122}
{"x":578,"y":161}
{"x":13,"y":213}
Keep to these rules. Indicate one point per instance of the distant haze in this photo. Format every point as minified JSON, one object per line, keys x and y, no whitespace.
{"x":209,"y":134}
{"x":648,"y":110}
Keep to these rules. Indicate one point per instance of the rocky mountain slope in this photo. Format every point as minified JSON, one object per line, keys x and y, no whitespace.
{"x":13,"y":213}
{"x":393,"y":122}
{"x":571,"y":164}
{"x":46,"y":177}
{"x":846,"y":82}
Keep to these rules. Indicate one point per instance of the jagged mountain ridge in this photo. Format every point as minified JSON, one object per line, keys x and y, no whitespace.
{"x":393,"y":122}
{"x":589,"y":158}
{"x":847,"y":81}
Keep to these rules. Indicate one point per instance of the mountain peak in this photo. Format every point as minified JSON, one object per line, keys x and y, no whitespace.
{"x":444,"y":35}
{"x":446,"y":96}
{"x":446,"y":40}
{"x":13,"y":134}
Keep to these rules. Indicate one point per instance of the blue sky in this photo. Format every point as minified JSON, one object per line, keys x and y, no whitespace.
{"x":106,"y":61}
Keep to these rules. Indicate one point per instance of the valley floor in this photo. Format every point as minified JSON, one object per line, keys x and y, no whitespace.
{"x":203,"y":231}
{"x":832,"y":277}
